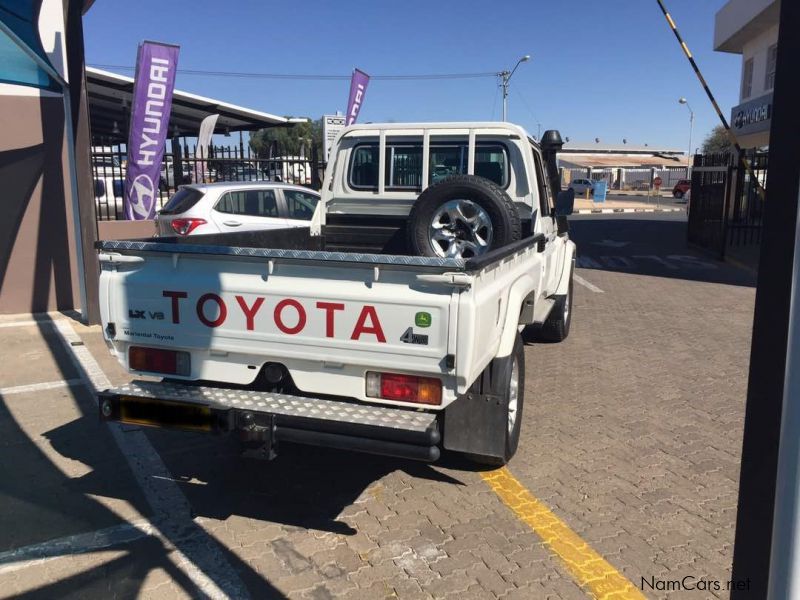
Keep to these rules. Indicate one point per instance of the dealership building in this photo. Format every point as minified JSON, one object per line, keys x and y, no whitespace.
{"x":750,"y":28}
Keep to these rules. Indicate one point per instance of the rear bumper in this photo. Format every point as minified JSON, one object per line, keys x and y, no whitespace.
{"x":262,"y":419}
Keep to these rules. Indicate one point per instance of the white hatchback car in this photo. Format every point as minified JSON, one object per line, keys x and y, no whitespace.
{"x":581,"y":185}
{"x":236,"y":206}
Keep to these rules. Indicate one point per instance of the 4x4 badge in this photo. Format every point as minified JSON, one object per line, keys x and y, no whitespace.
{"x":423,"y":319}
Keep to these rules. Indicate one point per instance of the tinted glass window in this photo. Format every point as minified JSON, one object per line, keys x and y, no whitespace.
{"x":404,"y":166}
{"x":772,"y":61}
{"x":181,"y":201}
{"x":544,"y":198}
{"x":446,"y":161}
{"x":300,"y":205}
{"x":747,"y":78}
{"x":490,"y":162}
{"x":364,"y":167}
{"x":252,"y":203}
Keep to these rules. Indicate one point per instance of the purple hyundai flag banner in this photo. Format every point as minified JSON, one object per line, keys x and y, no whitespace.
{"x":358,"y":88}
{"x":152,"y":101}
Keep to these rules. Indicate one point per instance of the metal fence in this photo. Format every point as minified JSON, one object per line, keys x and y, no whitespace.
{"x":627,"y":178}
{"x":726,"y":209}
{"x":188,"y":164}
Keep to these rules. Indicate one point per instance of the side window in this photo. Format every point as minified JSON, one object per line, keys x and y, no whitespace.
{"x":545,"y":202}
{"x":772,"y":61}
{"x":747,"y":78}
{"x":364,"y":167}
{"x":403,"y":166}
{"x":491,"y":162}
{"x":446,"y":161}
{"x":252,"y":203}
{"x":300,"y":205}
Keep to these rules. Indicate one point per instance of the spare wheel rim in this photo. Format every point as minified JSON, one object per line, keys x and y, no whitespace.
{"x":460,"y":228}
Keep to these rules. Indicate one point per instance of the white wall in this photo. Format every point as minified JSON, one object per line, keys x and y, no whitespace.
{"x":756,"y":49}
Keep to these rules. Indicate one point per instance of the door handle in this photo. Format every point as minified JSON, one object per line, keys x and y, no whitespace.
{"x":232,"y":223}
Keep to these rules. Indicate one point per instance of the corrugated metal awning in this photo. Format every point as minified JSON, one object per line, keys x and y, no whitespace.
{"x":618,"y":161}
{"x":110,"y":97}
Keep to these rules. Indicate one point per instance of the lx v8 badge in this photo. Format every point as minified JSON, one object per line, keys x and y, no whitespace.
{"x":140,"y":314}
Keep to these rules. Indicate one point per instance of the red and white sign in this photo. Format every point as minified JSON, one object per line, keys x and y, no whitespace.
{"x":657,"y":182}
{"x":288,"y":315}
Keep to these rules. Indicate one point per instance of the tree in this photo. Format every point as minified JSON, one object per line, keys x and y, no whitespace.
{"x":717,"y":142}
{"x":288,"y":141}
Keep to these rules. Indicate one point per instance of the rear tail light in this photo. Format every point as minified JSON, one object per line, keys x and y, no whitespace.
{"x":404,"y":388}
{"x":186,"y":226}
{"x":158,"y":360}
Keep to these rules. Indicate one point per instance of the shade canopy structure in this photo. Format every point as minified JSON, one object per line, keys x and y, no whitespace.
{"x":110,"y":97}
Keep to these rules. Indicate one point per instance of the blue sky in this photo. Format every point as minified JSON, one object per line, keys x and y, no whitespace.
{"x":609,"y":69}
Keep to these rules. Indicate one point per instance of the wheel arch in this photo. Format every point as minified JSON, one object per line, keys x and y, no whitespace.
{"x":519,"y":291}
{"x":566,"y":269}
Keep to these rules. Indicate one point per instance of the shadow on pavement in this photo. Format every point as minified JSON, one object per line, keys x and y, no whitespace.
{"x":40,"y":503}
{"x":654,"y":246}
{"x":304,"y":486}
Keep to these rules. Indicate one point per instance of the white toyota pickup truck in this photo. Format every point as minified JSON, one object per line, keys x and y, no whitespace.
{"x":394,"y":325}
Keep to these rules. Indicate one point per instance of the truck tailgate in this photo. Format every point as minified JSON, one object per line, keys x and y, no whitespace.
{"x":235,"y":313}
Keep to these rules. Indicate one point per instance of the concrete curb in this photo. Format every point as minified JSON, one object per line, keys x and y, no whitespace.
{"x":606,"y":211}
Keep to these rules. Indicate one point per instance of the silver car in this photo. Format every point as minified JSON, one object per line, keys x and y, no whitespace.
{"x":203,"y":208}
{"x":581,"y":185}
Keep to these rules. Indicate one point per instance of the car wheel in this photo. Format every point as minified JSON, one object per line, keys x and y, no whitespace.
{"x":677,"y":194}
{"x":462,"y":216}
{"x":556,"y":327}
{"x":508,"y":373}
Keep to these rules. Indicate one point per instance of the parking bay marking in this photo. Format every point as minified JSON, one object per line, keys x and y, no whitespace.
{"x":195,"y":553}
{"x":672,"y":262}
{"x":586,"y":284}
{"x":590,"y":570}
{"x":38,"y":387}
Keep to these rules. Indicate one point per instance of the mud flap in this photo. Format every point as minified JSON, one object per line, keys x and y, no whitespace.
{"x":476,"y":423}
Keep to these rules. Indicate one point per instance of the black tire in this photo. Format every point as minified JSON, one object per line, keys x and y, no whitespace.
{"x":501,"y":371}
{"x":677,"y":194}
{"x":556,"y":327}
{"x":506,"y":225}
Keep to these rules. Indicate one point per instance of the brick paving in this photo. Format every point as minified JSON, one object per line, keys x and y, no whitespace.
{"x":631,"y":436}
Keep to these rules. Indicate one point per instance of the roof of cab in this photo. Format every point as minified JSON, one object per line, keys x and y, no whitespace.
{"x":444,"y":126}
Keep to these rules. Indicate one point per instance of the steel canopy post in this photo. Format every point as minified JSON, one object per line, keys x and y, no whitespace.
{"x":767,"y":547}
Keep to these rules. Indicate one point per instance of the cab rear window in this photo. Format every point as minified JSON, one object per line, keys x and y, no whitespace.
{"x":181,"y":201}
{"x":403,"y":168}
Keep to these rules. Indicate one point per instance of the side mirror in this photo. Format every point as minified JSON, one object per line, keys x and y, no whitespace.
{"x":565,"y":202}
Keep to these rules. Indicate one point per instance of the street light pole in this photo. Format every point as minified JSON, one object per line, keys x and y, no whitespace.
{"x":505,"y":77}
{"x":691,"y":125}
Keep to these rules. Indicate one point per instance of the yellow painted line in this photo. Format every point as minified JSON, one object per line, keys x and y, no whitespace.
{"x":590,"y":570}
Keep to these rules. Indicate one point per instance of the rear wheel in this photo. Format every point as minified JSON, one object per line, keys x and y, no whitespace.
{"x":508,"y":376}
{"x":556,"y":327}
{"x":677,"y":194}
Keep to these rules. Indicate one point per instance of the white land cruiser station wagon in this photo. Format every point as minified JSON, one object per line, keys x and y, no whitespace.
{"x":394,"y":325}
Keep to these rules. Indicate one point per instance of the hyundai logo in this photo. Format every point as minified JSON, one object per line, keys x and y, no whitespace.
{"x":141,"y":197}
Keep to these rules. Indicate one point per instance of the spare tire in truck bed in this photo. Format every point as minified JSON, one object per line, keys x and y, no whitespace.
{"x":462,"y":216}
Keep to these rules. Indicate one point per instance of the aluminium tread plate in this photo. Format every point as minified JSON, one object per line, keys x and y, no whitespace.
{"x":277,"y":253}
{"x":281,"y":404}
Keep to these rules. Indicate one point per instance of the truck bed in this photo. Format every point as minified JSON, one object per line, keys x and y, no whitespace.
{"x":338,"y":244}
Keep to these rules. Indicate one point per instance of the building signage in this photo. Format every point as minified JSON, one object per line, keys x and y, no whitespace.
{"x":753,"y":116}
{"x":152,"y":102}
{"x":358,"y":89}
{"x":332,"y":126}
